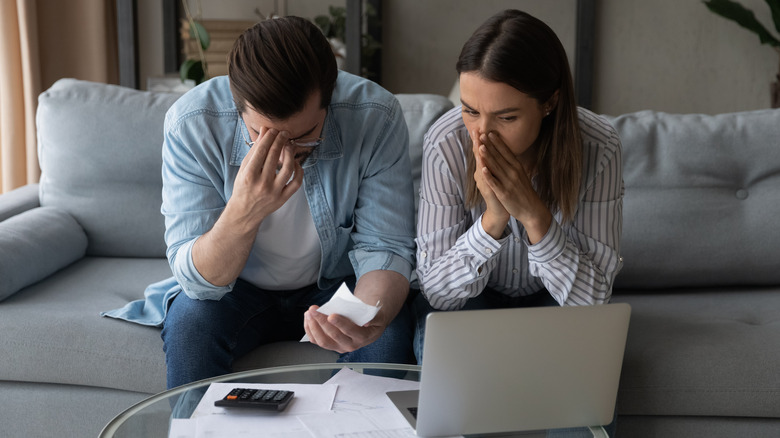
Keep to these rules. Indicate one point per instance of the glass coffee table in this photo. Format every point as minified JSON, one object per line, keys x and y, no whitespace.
{"x":154,"y":416}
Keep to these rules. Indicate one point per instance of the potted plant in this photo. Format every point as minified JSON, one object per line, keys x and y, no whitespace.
{"x":334,"y":28}
{"x":746,"y":18}
{"x":195,"y":68}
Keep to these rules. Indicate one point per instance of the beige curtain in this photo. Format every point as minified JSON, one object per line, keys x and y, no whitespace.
{"x":19,"y":86}
{"x":42,"y":41}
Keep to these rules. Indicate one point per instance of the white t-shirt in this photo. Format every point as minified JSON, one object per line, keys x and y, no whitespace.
{"x":287,"y":252}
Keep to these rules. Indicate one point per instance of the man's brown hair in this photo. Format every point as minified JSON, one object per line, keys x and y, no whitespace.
{"x":277,"y":64}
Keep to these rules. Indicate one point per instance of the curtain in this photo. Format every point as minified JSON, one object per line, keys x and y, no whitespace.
{"x":19,"y":86}
{"x":42,"y":41}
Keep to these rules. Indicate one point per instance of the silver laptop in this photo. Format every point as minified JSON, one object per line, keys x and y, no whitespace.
{"x":523,"y":369}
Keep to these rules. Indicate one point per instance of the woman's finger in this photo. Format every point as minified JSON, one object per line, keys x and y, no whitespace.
{"x":500,"y":147}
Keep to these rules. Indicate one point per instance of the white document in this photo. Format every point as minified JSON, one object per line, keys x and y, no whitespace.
{"x":219,"y":426}
{"x":362,"y":409}
{"x":351,"y":424}
{"x":349,"y":405}
{"x":344,"y":303}
{"x":366,"y":396}
{"x":357,"y":391}
{"x":215,"y":422}
{"x":182,"y":428}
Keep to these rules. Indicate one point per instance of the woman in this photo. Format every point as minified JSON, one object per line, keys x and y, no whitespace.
{"x":521,"y":191}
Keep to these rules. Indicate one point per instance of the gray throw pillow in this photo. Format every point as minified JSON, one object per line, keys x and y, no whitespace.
{"x":36,"y":244}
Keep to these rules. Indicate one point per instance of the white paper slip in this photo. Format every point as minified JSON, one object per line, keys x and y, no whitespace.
{"x":344,"y":303}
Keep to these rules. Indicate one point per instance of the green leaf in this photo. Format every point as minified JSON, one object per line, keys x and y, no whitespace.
{"x":742,"y":16}
{"x":323,"y":22}
{"x":192,"y":69}
{"x":202,"y":34}
{"x":370,"y":46}
{"x":337,"y":11}
{"x":340,"y":27}
{"x":774,"y":6}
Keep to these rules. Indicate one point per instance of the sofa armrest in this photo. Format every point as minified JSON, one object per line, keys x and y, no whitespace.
{"x":18,"y":200}
{"x":36,"y":244}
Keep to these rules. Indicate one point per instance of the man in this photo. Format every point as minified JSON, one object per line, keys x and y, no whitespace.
{"x":281,"y":181}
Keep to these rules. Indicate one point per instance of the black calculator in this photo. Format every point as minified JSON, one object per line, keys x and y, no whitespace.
{"x":268,"y":399}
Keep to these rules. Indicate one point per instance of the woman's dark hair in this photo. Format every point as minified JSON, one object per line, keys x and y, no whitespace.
{"x":277,"y":64}
{"x":514,"y":48}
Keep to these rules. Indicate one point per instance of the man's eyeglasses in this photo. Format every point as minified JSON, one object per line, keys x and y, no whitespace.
{"x":311,"y":142}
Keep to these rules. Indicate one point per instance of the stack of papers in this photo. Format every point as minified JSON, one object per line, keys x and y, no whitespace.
{"x":349,"y":405}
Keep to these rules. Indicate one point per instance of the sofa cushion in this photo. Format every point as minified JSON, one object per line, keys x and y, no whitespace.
{"x":37,"y":243}
{"x":57,"y":335}
{"x":52,"y":331}
{"x":702,"y":199}
{"x":702,"y":353}
{"x":100,"y":152}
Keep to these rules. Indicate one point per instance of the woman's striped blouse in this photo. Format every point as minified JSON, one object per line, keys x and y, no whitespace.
{"x":576,"y":262}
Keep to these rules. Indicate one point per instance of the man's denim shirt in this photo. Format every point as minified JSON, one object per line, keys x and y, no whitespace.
{"x":358,"y":185}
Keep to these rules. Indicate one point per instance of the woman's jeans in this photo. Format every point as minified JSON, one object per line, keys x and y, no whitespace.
{"x":202,"y":338}
{"x":490,"y":299}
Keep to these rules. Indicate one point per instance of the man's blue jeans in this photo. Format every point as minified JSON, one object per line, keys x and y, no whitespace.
{"x":202,"y":338}
{"x":490,"y":299}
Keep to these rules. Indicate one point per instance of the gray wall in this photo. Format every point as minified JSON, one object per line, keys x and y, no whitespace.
{"x":677,"y":56}
{"x":423,"y":38}
{"x":666,"y":55}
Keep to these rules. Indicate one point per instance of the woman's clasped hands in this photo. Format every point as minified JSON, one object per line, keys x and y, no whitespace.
{"x":504,"y":181}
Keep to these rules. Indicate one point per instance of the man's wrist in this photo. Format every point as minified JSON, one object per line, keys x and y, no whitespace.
{"x":240,"y":223}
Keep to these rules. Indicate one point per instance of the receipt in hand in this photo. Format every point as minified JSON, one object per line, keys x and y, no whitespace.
{"x":348,"y":305}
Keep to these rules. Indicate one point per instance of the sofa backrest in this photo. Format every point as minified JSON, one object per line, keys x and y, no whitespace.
{"x":702,"y":199}
{"x":99,"y":148}
{"x":420,"y":111}
{"x":100,"y":157}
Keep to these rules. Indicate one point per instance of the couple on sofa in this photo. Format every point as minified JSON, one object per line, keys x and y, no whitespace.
{"x":287,"y":177}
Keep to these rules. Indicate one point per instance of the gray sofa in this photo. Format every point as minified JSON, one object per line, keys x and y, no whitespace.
{"x":701,"y":249}
{"x":699,"y":238}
